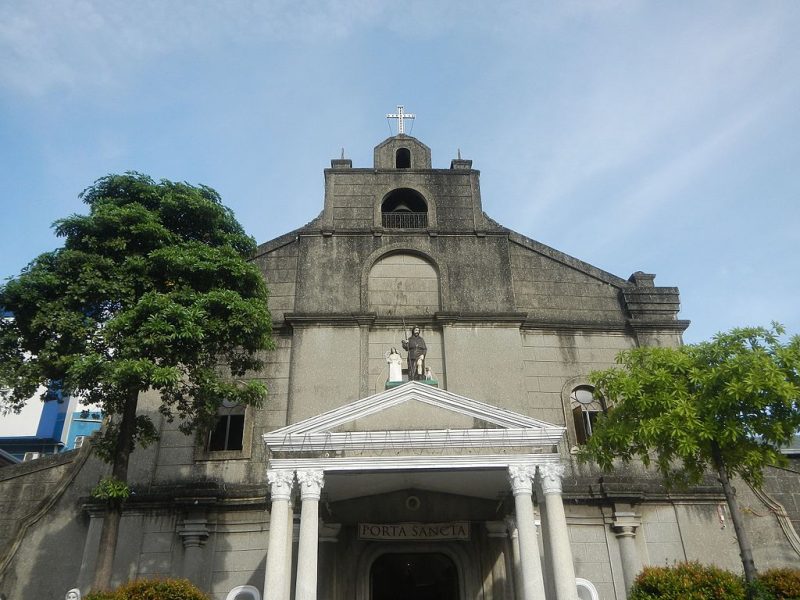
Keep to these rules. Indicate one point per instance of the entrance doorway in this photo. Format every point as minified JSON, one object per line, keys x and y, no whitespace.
{"x":414,"y":576}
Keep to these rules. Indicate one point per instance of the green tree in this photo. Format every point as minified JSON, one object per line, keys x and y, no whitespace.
{"x":726,"y":405}
{"x":152,"y":290}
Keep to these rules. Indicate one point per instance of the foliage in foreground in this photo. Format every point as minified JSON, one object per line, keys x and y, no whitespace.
{"x":687,"y":581}
{"x":694,"y":581}
{"x":725,"y":406}
{"x":782,"y":584}
{"x":152,"y":290}
{"x":152,"y":589}
{"x":732,"y":402}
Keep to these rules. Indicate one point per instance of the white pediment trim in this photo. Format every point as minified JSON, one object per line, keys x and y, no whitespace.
{"x":511,"y":429}
{"x":414,"y":463}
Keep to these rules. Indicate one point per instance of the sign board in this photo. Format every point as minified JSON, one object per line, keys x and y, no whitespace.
{"x":455,"y":530}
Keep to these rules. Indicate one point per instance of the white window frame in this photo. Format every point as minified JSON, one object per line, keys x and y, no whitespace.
{"x":580,"y":582}
{"x":244,"y":589}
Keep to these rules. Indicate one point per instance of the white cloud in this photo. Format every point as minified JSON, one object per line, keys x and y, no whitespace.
{"x":649,"y":99}
{"x":70,"y":44}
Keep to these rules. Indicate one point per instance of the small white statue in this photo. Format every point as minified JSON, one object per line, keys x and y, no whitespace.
{"x":73,"y":594}
{"x":428,"y":373}
{"x":395,"y":365}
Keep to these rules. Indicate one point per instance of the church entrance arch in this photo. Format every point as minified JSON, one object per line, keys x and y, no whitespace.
{"x":416,"y":571}
{"x":414,"y":576}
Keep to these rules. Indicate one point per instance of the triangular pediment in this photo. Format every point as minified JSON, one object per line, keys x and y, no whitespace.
{"x":357,"y":424}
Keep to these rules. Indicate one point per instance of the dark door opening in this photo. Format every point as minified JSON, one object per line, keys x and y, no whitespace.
{"x":423,"y":576}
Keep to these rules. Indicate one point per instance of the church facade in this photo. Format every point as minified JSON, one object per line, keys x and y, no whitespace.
{"x":363,"y":479}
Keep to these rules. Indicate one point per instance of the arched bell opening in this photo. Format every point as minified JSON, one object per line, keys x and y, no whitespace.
{"x":404,"y":208}
{"x":402,"y":158}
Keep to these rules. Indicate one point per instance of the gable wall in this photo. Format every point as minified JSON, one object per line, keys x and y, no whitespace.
{"x":553,"y":291}
{"x":280,"y":272}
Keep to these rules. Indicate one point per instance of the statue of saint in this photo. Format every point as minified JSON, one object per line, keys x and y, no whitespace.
{"x":416,"y":355}
{"x":73,"y":594}
{"x":395,"y":365}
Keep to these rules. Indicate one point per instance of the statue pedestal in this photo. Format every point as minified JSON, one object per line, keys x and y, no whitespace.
{"x":393,"y":384}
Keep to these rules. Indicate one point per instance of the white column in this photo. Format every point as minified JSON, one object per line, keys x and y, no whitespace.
{"x":276,"y":575}
{"x":310,"y":483}
{"x":557,"y":533}
{"x":521,"y":479}
{"x":290,"y":537}
{"x":625,"y":525}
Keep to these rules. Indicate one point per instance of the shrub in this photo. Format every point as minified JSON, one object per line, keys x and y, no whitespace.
{"x":100,"y":596}
{"x":687,"y":581}
{"x":783,"y":584}
{"x":152,"y":589}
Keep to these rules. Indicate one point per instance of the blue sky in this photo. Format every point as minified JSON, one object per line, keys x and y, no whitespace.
{"x":653,"y":136}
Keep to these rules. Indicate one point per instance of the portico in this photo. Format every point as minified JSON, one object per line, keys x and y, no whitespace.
{"x":342,"y":455}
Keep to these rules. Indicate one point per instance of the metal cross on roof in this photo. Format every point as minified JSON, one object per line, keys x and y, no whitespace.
{"x":400,"y":116}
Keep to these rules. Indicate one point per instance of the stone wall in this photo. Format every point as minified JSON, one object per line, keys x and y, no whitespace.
{"x":783,"y":484}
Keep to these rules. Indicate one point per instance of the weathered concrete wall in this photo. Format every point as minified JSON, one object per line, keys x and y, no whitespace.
{"x":238,"y":549}
{"x":26,"y":488}
{"x":556,"y":361}
{"x":783,"y":484}
{"x":278,"y":262}
{"x":44,"y":558}
{"x":483,"y":362}
{"x":327,"y":361}
{"x":556,"y":291}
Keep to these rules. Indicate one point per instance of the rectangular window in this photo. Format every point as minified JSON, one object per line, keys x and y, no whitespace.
{"x":79,"y":440}
{"x":584,"y":423}
{"x":228,"y":433}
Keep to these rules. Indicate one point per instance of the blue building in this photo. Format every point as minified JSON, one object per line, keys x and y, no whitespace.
{"x":83,"y":424}
{"x":48,"y":427}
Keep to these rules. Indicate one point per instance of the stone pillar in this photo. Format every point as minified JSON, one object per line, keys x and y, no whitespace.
{"x":193,"y":532}
{"x":521,"y":479}
{"x":91,"y":547}
{"x":516,"y":562}
{"x":557,"y":533}
{"x":310,"y":483}
{"x":625,"y":525}
{"x":497,"y":538}
{"x":328,"y":560}
{"x":276,"y":575}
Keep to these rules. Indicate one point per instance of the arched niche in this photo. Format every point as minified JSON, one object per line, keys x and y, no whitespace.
{"x":404,"y":208}
{"x":403,"y":283}
{"x":420,"y":247}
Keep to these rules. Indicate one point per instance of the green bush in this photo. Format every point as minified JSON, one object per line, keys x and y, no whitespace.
{"x":687,"y":581}
{"x":152,"y":589}
{"x":100,"y":596}
{"x":783,"y":584}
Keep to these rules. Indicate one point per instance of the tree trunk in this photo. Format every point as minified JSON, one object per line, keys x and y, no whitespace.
{"x":119,"y":470}
{"x":745,"y":549}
